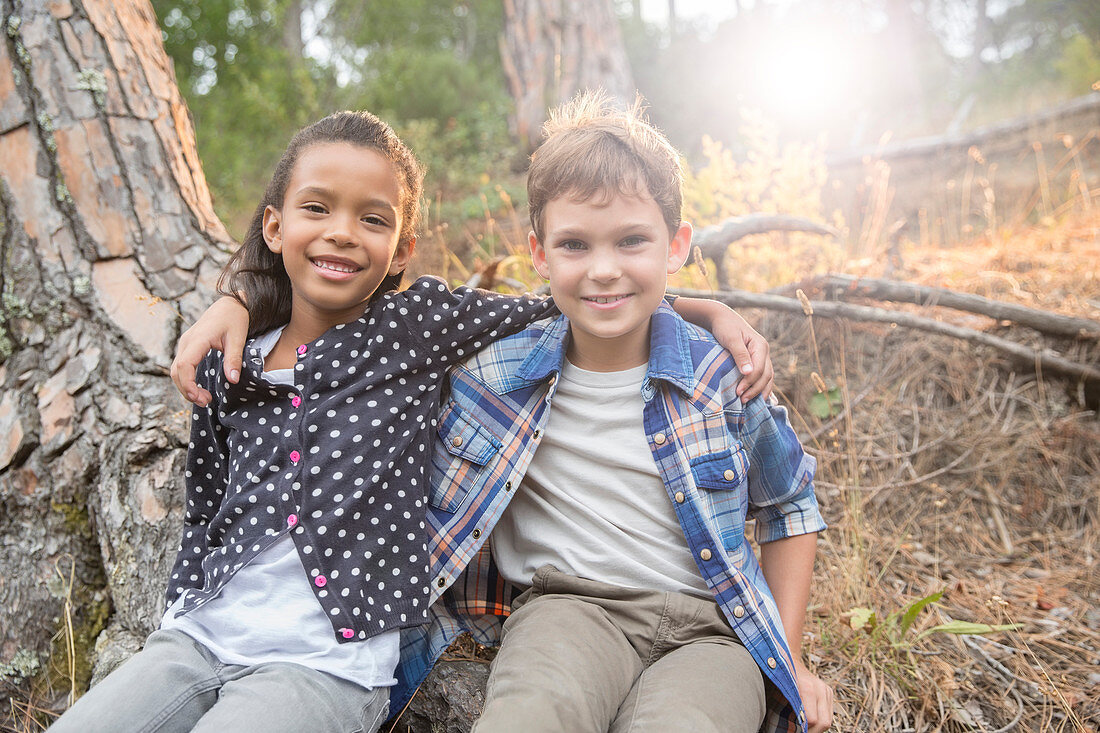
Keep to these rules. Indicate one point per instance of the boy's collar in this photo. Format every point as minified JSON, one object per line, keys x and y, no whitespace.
{"x":669,"y":351}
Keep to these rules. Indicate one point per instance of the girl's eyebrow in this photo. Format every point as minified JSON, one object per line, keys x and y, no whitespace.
{"x":325,"y":191}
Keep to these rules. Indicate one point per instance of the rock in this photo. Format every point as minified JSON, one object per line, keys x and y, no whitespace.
{"x":449,"y":700}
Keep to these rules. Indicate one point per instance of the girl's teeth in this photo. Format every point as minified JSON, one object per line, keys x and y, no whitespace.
{"x":334,"y":266}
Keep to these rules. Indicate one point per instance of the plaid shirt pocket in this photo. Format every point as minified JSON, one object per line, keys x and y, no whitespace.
{"x":469,"y":446}
{"x":722,"y":480}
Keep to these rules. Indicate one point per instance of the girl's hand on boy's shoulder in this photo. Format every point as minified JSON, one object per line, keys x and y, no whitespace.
{"x":750,"y":351}
{"x":817,"y":699}
{"x":224,"y":326}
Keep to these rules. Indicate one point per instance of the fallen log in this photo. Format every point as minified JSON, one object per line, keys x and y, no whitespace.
{"x":1044,"y":359}
{"x":712,"y":241}
{"x":845,"y":287}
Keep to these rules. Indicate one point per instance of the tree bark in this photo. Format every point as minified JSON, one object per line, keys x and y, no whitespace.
{"x":552,"y":49}
{"x":107,"y":238}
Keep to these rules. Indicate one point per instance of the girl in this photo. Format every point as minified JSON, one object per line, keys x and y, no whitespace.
{"x":302,"y":552}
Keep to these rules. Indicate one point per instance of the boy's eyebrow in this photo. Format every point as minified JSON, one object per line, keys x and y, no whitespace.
{"x":326,"y":191}
{"x":580,"y":232}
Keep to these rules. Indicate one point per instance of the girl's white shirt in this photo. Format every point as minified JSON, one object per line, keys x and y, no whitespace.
{"x":267,"y":612}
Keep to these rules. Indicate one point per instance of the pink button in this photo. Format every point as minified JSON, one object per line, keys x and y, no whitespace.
{"x":292,"y":520}
{"x":301,"y":349}
{"x":320,"y":581}
{"x":347,"y":633}
{"x":295,"y":456}
{"x":295,"y":400}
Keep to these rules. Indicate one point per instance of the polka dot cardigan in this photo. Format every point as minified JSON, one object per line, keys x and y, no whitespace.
{"x":339,"y":461}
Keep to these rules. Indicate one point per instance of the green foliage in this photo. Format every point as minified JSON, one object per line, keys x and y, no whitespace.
{"x":893,"y":631}
{"x":823,"y":405}
{"x":432,"y":70}
{"x":1079,"y":65}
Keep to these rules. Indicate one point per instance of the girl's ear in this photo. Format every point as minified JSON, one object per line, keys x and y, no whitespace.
{"x":401,"y":256}
{"x":679,"y":248}
{"x":538,"y":256}
{"x":273,"y":230}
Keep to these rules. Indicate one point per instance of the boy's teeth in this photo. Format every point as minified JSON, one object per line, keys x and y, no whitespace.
{"x":609,"y":299}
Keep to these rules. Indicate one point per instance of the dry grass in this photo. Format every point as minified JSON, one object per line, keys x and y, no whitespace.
{"x":946,"y":470}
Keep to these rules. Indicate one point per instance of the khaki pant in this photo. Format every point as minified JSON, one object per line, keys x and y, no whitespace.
{"x":581,"y":656}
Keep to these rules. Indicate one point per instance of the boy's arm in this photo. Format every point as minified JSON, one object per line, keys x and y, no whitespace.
{"x":747,"y":347}
{"x":788,"y":566}
{"x":224,"y":327}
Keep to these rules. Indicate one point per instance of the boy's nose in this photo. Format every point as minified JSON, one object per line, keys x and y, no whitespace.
{"x":604,"y":267}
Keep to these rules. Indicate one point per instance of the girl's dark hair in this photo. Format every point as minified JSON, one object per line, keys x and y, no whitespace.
{"x":255,"y":275}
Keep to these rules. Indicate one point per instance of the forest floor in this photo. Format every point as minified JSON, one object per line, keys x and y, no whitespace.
{"x":948,"y":470}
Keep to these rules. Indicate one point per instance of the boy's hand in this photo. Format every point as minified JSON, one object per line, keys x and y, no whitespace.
{"x":748,"y":348}
{"x":224,"y":326}
{"x":817,"y":698}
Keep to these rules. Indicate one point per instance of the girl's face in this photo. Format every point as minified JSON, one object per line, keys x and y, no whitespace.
{"x":338,"y":231}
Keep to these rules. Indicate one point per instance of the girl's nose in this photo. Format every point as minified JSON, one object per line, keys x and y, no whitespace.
{"x":340,"y":231}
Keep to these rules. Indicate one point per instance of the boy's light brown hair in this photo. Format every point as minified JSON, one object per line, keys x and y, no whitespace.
{"x":594,"y":149}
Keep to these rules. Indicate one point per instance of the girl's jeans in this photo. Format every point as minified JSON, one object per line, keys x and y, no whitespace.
{"x":175,"y":684}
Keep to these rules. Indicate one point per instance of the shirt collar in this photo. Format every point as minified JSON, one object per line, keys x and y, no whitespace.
{"x":669,"y":351}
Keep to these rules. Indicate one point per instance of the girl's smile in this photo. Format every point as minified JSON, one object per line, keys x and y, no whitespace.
{"x":338,"y":232}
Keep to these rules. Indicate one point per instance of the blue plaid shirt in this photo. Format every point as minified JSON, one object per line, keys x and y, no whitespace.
{"x":731,"y":461}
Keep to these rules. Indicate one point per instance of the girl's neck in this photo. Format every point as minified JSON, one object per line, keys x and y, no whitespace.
{"x":302,"y":329}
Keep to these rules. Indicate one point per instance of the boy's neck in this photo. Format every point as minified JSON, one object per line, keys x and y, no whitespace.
{"x":604,"y":357}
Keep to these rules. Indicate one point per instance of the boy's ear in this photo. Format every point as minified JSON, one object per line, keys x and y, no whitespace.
{"x":679,"y":248}
{"x":402,"y":255}
{"x":538,"y":256}
{"x":273,"y":229}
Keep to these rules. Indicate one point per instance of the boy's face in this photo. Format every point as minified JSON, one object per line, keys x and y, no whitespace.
{"x":607,"y":261}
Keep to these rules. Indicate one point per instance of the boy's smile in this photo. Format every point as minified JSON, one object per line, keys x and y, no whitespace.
{"x":608,"y":259}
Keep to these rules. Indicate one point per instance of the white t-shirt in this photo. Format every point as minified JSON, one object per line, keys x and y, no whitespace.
{"x":592,"y":503}
{"x":267,"y":611}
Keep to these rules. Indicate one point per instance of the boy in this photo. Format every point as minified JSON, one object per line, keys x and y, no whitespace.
{"x":610,"y":457}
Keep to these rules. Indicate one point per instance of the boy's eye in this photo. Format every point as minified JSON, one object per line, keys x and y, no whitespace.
{"x":572,"y":245}
{"x":633,"y":241}
{"x":315,"y":208}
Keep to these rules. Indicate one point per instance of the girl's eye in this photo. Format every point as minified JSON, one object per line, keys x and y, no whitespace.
{"x":375,"y":220}
{"x":314,"y":208}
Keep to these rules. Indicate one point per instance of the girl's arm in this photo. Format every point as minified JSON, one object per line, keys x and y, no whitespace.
{"x":224,"y":327}
{"x":205,"y":479}
{"x":747,"y":347}
{"x":788,"y":566}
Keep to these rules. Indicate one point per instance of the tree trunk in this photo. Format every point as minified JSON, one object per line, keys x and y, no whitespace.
{"x":107,"y":239}
{"x":552,"y":49}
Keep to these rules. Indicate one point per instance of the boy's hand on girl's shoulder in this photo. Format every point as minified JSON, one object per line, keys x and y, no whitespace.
{"x":817,"y":699}
{"x":224,"y":326}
